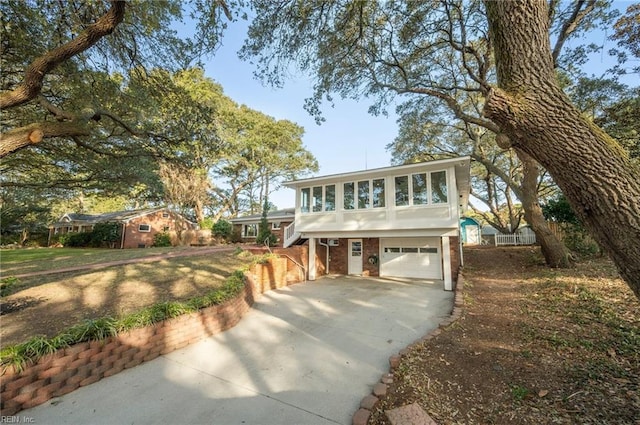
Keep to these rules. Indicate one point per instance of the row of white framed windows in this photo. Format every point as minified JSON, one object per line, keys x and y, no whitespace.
{"x":251,"y":230}
{"x":421,"y":189}
{"x":364,"y":194}
{"x":413,"y":189}
{"x":318,"y":198}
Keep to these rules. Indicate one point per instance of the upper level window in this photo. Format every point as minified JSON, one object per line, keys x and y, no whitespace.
{"x":144,"y":228}
{"x":316,"y":202}
{"x":305,"y":199}
{"x":363,"y":194}
{"x":419,"y":186}
{"x":348,"y":196}
{"x":439,"y":187}
{"x":402,"y":190}
{"x":330,"y":197}
{"x":378,"y":193}
{"x":421,"y":189}
{"x":318,"y":198}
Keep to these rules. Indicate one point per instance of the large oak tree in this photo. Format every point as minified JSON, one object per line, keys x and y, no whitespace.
{"x":446,"y":51}
{"x":595,"y":173}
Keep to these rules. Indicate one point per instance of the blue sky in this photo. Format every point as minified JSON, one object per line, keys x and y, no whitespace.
{"x":350,"y":139}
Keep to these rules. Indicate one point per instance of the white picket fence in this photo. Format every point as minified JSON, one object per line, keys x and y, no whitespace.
{"x":515,"y":239}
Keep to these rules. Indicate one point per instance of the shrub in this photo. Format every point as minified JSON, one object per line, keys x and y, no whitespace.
{"x":76,"y":240}
{"x":265,"y":237}
{"x":105,"y":234}
{"x":236,"y":236}
{"x":578,"y":240}
{"x":161,"y":239}
{"x":222,"y":229}
{"x":206,"y":223}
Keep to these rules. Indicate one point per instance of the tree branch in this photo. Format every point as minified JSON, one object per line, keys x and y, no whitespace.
{"x":38,"y":69}
{"x":31,"y":134}
{"x":570,"y":25}
{"x":59,"y":113}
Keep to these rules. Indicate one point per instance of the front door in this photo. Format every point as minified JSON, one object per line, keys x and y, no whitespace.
{"x":355,"y":256}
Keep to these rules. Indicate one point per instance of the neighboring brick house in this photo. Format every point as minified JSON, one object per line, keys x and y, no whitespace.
{"x":249,"y":226}
{"x":401,"y":221}
{"x":137,"y":227}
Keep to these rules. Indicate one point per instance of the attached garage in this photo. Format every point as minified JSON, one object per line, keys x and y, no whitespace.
{"x":411,"y":257}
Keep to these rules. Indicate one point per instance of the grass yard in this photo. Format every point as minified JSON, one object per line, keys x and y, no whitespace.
{"x":47,"y":304}
{"x":21,"y":261}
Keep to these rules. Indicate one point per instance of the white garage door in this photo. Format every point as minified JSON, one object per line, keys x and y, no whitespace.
{"x":411,"y":257}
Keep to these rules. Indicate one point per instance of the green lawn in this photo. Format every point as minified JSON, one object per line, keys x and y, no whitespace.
{"x":50,"y":303}
{"x":20,"y":261}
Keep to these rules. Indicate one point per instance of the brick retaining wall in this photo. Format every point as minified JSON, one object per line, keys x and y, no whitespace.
{"x":82,"y":364}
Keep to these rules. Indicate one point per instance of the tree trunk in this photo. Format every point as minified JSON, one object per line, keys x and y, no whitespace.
{"x":198,"y":209}
{"x":593,"y":170}
{"x":555,"y":253}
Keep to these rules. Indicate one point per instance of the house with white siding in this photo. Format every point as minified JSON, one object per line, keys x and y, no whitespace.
{"x":400,"y":221}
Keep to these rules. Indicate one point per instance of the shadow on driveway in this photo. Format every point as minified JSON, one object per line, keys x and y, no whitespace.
{"x":306,"y":354}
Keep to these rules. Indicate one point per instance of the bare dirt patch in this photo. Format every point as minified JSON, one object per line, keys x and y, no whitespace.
{"x":46,"y":305}
{"x":534,"y":346}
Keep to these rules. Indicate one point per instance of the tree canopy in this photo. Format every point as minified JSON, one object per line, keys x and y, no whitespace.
{"x":102,"y":98}
{"x":460,"y":56}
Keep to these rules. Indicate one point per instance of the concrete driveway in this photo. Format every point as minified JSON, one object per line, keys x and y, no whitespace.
{"x":306,"y":354}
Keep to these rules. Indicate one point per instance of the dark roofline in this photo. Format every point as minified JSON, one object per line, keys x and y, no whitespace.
{"x":123,"y":216}
{"x":271,"y":215}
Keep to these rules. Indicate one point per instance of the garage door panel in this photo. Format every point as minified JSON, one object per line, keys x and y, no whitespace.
{"x":411,"y":257}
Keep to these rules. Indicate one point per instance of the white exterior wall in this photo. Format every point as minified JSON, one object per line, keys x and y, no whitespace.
{"x":388,"y":218}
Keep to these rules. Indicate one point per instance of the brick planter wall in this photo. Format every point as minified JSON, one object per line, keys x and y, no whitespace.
{"x":82,"y":364}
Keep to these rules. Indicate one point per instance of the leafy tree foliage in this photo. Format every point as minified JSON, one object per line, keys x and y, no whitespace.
{"x":214,"y":149}
{"x":99,"y":99}
{"x":265,"y":236}
{"x":447,"y":51}
{"x":620,"y":120}
{"x":105,"y":235}
{"x":437,"y":56}
{"x":222,"y":229}
{"x":627,"y":33}
{"x":69,"y":122}
{"x":559,"y":210}
{"x":53,"y":52}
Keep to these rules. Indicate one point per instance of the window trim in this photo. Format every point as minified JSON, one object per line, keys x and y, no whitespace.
{"x":244,"y":230}
{"x":141,"y":225}
{"x":311,"y":203}
{"x":446,"y":188}
{"x":371,"y":194}
{"x":305,"y":207}
{"x":429,"y":188}
{"x":325,"y":197}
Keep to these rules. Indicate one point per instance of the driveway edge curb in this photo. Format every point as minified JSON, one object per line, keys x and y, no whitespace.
{"x":368,"y":403}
